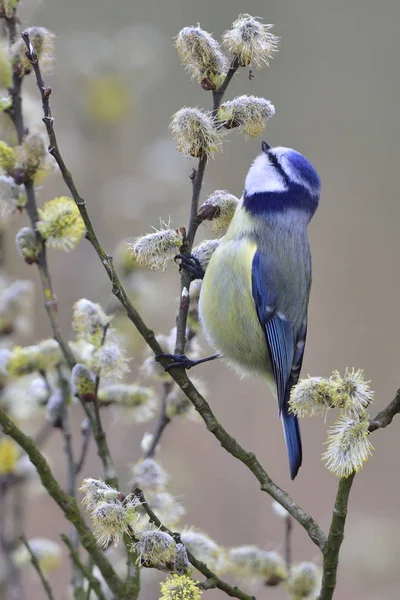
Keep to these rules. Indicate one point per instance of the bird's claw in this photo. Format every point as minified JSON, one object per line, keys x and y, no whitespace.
{"x":191,"y":265}
{"x":177,"y":360}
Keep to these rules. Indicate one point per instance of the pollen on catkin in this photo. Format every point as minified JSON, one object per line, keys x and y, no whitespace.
{"x":155,"y":547}
{"x":111,"y":521}
{"x":16,"y":304}
{"x":28,"y":245}
{"x":9,"y":455}
{"x":30,"y":155}
{"x":89,"y":321}
{"x":195,"y":133}
{"x":224,"y":204}
{"x":201,"y":54}
{"x":140,"y":402}
{"x":348,"y":445}
{"x":352,"y":393}
{"x":167,"y":508}
{"x":149,"y":475}
{"x":311,"y":397}
{"x":248,"y":113}
{"x":304,"y":580}
{"x":11,"y":198}
{"x":155,"y":250}
{"x":109,"y":362}
{"x":60,"y":223}
{"x":111,"y":513}
{"x":96,"y":491}
{"x":23,"y":361}
{"x":180,"y":587}
{"x":83,"y":382}
{"x":250,"y":41}
{"x":8,"y":157}
{"x":205,"y":549}
{"x":251,"y":562}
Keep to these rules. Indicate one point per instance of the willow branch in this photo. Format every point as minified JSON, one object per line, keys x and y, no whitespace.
{"x":163,"y":421}
{"x":36,"y":565}
{"x":386,"y":416}
{"x":86,"y":573}
{"x":184,"y":298}
{"x":86,"y":432}
{"x":67,"y":504}
{"x":288,"y":541}
{"x":212,"y":579}
{"x":178,"y":375}
{"x":197,"y":177}
{"x":335,"y":539}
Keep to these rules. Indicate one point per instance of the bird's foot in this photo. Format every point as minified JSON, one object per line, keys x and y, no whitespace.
{"x":182,"y":361}
{"x":191,"y":265}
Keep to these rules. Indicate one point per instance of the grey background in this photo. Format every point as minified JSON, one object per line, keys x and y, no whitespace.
{"x":335,"y":86}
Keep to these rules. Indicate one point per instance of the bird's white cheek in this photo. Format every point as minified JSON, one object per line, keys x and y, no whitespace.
{"x":263,"y":177}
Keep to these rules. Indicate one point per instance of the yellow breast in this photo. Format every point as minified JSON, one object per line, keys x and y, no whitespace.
{"x":227,"y":309}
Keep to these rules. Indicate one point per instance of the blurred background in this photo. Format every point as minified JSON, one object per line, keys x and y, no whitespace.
{"x":335,"y":87}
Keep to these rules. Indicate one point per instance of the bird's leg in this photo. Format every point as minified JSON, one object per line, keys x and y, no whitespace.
{"x":180,"y":360}
{"x":191,"y":265}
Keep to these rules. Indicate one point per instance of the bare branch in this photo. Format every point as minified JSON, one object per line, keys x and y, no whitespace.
{"x":37,"y":567}
{"x":86,"y":573}
{"x":335,"y":538}
{"x":386,"y":416}
{"x":196,"y":177}
{"x":162,"y":422}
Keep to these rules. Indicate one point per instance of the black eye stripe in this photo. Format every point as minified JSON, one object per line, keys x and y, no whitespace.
{"x":274,"y":161}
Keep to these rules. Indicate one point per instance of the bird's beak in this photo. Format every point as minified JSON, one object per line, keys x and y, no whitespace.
{"x":265,"y":147}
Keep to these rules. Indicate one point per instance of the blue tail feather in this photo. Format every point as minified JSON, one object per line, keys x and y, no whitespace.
{"x":291,"y":430}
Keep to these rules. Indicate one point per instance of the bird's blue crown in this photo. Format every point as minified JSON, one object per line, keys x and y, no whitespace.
{"x":281,"y":180}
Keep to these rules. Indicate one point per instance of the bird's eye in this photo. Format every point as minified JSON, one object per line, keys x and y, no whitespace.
{"x":273,"y":160}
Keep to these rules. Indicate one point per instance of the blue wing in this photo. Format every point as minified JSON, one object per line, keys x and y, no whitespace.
{"x":285,"y":348}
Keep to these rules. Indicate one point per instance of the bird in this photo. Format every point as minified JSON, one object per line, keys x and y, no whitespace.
{"x":255,"y":292}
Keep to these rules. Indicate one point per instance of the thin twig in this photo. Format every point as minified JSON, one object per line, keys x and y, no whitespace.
{"x":232,"y":591}
{"x":86,"y":433}
{"x":90,"y":570}
{"x":50,"y":301}
{"x":76,"y":578}
{"x":184,"y":298}
{"x":386,"y":416}
{"x":67,"y":504}
{"x":7,"y":546}
{"x":177,"y":374}
{"x":99,"y":425}
{"x":43,"y":434}
{"x":288,"y":542}
{"x":86,"y":573}
{"x":335,"y":539}
{"x":36,"y":565}
{"x":194,"y":222}
{"x":162,"y":422}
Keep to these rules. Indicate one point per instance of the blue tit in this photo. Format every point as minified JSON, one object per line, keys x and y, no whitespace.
{"x":254,"y":298}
